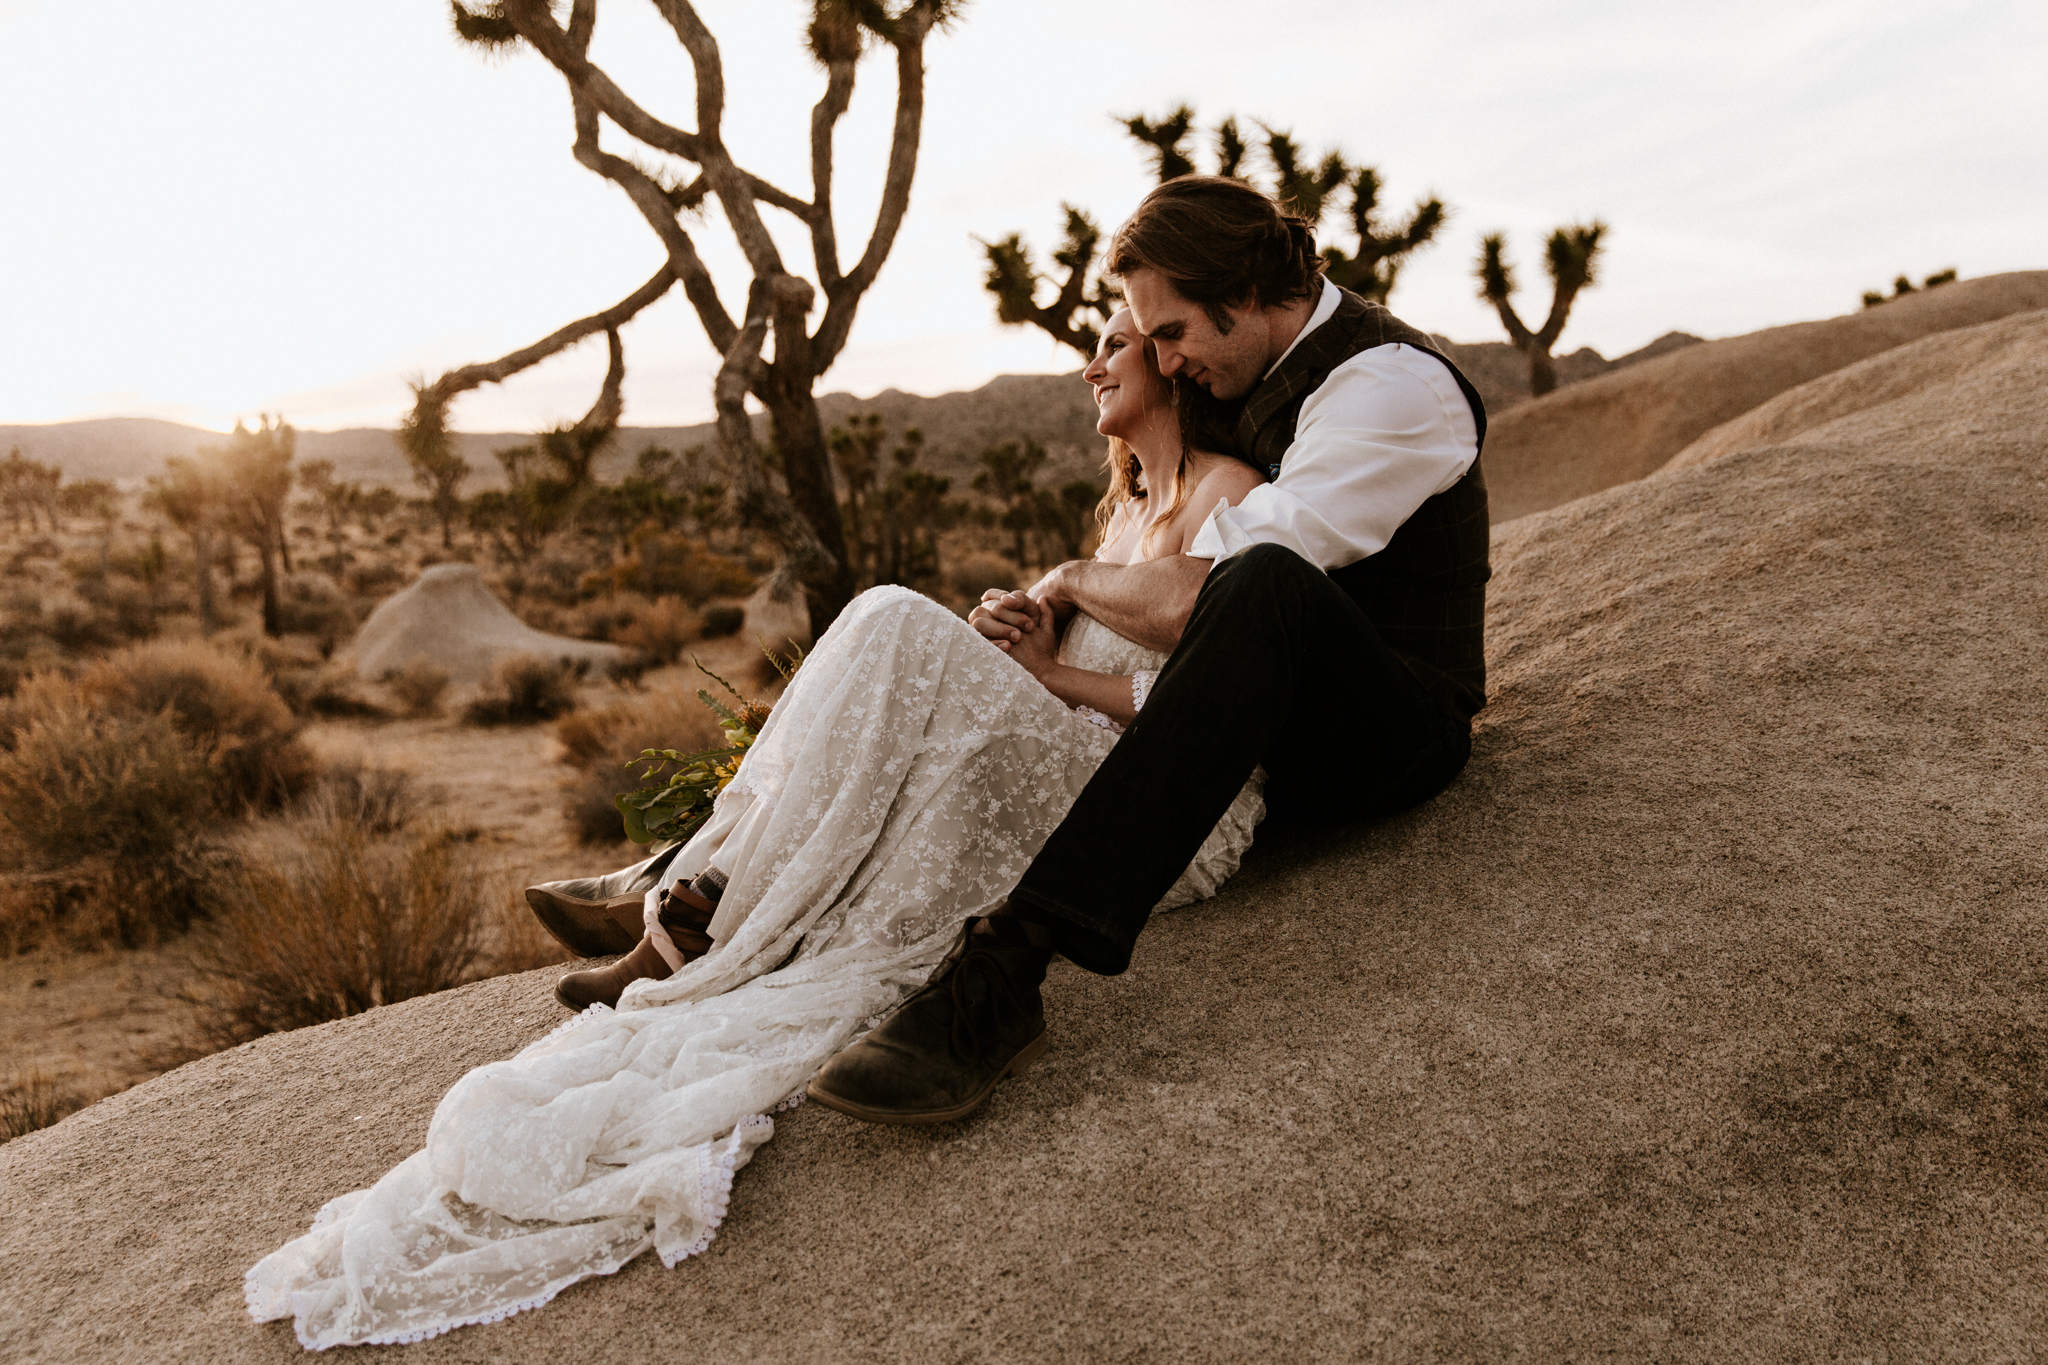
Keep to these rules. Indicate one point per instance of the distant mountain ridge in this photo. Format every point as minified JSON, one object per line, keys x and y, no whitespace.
{"x":1055,"y":410}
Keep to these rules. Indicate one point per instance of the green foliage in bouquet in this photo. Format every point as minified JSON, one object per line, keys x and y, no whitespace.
{"x":679,"y":789}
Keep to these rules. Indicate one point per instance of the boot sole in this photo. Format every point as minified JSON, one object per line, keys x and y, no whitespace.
{"x":1018,"y":1065}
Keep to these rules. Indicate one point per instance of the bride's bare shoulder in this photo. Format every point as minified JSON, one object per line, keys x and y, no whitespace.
{"x":1226,"y":477}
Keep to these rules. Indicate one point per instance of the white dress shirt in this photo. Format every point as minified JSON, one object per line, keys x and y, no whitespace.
{"x":1387,"y":430}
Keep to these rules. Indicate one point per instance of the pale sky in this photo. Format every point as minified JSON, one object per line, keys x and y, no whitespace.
{"x":219,"y":208}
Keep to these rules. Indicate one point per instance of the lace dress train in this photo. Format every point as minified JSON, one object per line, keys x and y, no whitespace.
{"x":903,"y":783}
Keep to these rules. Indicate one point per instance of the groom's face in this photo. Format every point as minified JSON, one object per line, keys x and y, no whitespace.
{"x":1225,"y":361}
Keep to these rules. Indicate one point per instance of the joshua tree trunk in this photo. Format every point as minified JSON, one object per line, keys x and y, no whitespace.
{"x":273,"y":615}
{"x":202,"y":565}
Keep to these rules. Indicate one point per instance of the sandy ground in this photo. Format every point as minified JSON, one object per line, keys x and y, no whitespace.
{"x":1702,"y":1019}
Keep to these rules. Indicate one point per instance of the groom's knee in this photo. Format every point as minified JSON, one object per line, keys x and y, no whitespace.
{"x":1259,"y":569}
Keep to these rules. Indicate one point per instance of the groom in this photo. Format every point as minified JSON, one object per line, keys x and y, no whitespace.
{"x":1328,"y":627}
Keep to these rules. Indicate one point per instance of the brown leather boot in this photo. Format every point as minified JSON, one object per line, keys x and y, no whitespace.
{"x":980,"y":1018}
{"x":589,"y":928}
{"x":599,"y":916}
{"x":685,"y":916}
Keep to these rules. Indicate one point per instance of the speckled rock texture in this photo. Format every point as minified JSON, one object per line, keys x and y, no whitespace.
{"x":1703,"y":1019}
{"x":1622,"y":426}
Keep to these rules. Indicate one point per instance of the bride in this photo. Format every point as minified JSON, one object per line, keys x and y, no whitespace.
{"x":900,"y":787}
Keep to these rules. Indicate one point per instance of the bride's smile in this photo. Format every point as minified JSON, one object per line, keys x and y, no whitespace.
{"x":1130,"y":396}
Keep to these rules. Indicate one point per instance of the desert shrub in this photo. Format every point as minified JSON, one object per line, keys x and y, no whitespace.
{"x":587,"y":802}
{"x":313,"y":604}
{"x":722,"y":620}
{"x":606,"y":617}
{"x":670,"y":718}
{"x":664,"y":564}
{"x":79,"y":626}
{"x":32,"y":1100}
{"x":601,"y":741}
{"x":662,"y":629}
{"x":418,"y":687}
{"x":338,"y":923}
{"x":130,"y":610}
{"x":101,"y":818}
{"x":979,"y":571}
{"x":322,"y":689}
{"x":527,"y":689}
{"x":75,"y":784}
{"x":381,"y":800}
{"x":376,"y":578}
{"x":222,"y":702}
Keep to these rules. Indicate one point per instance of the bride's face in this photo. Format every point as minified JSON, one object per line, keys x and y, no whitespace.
{"x":1128,"y":389}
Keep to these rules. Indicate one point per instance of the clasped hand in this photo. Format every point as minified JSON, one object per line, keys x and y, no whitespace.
{"x":1020,"y":625}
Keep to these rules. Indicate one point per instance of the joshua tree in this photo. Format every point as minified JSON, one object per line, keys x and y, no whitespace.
{"x":1382,"y":250}
{"x":1903,"y":286}
{"x":1006,"y":476}
{"x":1568,"y":259}
{"x":97,"y":500}
{"x":189,"y":495}
{"x":1079,"y":295}
{"x":254,"y":472}
{"x":29,"y":486}
{"x":805,"y":521}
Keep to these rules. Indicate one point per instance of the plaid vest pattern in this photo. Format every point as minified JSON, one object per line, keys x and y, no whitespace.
{"x":1426,"y":591}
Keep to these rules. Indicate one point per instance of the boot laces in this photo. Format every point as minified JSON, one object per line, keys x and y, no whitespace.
{"x":986,"y":965}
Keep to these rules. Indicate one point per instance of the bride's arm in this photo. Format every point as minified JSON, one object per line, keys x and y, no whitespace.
{"x":1108,"y":693}
{"x":1149,"y":602}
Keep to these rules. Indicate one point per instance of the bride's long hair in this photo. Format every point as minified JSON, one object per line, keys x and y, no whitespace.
{"x":1201,"y":428}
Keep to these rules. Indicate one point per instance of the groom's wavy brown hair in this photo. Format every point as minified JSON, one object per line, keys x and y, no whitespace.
{"x":1220,"y":242}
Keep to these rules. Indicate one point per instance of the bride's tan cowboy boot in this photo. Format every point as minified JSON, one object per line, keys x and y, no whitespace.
{"x":598,"y":916}
{"x":676,"y":936}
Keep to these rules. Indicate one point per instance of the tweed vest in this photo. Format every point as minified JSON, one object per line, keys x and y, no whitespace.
{"x":1426,"y":591}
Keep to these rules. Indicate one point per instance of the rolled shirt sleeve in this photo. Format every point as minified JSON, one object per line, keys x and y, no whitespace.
{"x":1388,"y":430}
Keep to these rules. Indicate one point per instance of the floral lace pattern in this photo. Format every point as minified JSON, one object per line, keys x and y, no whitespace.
{"x":903,"y":783}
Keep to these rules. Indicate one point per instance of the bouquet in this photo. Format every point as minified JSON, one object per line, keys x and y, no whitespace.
{"x":679,"y":789}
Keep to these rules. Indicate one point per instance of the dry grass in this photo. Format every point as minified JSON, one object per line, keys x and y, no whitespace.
{"x":101,"y":818}
{"x":722,"y":620}
{"x":340,"y":922}
{"x":526,"y":691}
{"x":33,"y":1100}
{"x":662,"y":629}
{"x":600,"y":742}
{"x":223,"y":702}
{"x":418,"y":687}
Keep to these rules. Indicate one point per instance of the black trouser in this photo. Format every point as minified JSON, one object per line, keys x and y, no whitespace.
{"x":1277,"y":666}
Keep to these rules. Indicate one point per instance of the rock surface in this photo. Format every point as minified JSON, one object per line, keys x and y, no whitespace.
{"x":449,"y":618}
{"x":1621,"y":426}
{"x":1704,"y":1018}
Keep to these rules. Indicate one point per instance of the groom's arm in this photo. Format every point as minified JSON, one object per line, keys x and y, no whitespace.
{"x":1147,"y":603}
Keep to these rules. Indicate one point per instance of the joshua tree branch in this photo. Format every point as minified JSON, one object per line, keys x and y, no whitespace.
{"x":468,"y":377}
{"x":728,"y":181}
{"x":659,"y":211}
{"x":907,"y":35}
{"x":837,"y":45}
{"x":603,"y":417}
{"x":559,"y":47}
{"x":1496,"y":283}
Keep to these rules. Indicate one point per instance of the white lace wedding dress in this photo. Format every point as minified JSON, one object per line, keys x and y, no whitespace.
{"x":904,"y":782}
